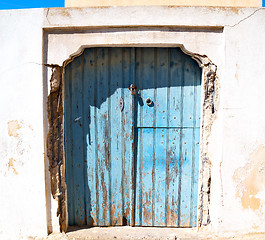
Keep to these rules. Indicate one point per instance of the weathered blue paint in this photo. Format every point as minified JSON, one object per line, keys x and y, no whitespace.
{"x":138,"y":166}
{"x":168,"y":131}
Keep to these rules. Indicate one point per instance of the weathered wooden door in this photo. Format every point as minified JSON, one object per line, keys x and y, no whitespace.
{"x":132,"y":157}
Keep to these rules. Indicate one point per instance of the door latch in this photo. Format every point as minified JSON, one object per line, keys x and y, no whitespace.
{"x":121,"y":104}
{"x":133,"y":89}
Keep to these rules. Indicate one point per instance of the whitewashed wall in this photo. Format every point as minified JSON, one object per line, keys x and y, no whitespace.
{"x":22,"y":181}
{"x":242,"y":165}
{"x":237,"y":142}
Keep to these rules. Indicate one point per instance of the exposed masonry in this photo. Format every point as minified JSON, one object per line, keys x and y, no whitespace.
{"x":210,"y":107}
{"x":55,"y":144}
{"x":55,"y":139}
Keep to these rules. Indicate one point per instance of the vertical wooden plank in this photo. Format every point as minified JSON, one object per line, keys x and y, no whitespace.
{"x":147,"y":88}
{"x":97,"y":223}
{"x":89,"y":130}
{"x":167,"y":190}
{"x":148,"y":135}
{"x":115,"y":137}
{"x":77,"y":123}
{"x":103,"y":137}
{"x":173,"y":157}
{"x":138,"y":122}
{"x":145,"y":118}
{"x":154,"y":172}
{"x":195,"y":177}
{"x":161,"y":111}
{"x":196,"y":143}
{"x":186,"y":177}
{"x":188,"y":92}
{"x":160,"y":103}
{"x":160,"y":178}
{"x":147,"y":167}
{"x":197,"y":84}
{"x":69,"y":144}
{"x":109,"y":98}
{"x":173,"y":135}
{"x":176,"y":81}
{"x":139,"y":71}
{"x":139,"y":180}
{"x":127,"y":133}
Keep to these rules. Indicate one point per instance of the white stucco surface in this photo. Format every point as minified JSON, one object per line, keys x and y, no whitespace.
{"x":233,"y":38}
{"x":22,"y":182}
{"x":243,"y":125}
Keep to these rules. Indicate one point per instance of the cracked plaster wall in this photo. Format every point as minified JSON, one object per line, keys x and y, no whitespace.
{"x":243,"y":125}
{"x":231,"y":38}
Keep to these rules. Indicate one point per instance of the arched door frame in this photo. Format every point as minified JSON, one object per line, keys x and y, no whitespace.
{"x":55,"y":142}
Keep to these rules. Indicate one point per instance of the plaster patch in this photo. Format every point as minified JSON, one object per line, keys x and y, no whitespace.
{"x":13,"y":127}
{"x":11,"y":166}
{"x":250,"y":180}
{"x":17,"y":147}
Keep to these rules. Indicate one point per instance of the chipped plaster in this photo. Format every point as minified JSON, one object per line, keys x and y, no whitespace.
{"x":13,"y":127}
{"x":250,"y":181}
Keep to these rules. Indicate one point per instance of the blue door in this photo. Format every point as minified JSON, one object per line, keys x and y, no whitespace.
{"x":132,"y":131}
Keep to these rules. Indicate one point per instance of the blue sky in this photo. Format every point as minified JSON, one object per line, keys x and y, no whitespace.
{"x":17,"y":4}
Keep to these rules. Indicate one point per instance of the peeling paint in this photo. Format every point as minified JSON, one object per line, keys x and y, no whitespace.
{"x":211,"y":85}
{"x":13,"y":127}
{"x":55,"y":144}
{"x":11,"y":166}
{"x":250,"y":180}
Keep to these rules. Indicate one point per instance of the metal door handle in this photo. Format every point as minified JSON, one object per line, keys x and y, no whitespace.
{"x":133,"y":89}
{"x":149,"y":101}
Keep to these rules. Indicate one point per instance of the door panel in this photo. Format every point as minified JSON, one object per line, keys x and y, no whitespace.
{"x":136,"y":164}
{"x":166,"y":189}
{"x":98,"y":140}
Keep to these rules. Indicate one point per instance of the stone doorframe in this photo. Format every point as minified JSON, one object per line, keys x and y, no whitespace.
{"x":58,"y":51}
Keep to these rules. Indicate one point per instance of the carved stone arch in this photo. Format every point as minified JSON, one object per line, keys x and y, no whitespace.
{"x":55,"y":137}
